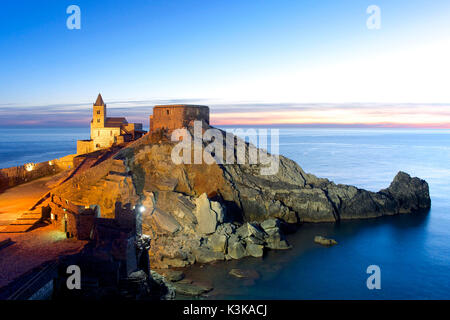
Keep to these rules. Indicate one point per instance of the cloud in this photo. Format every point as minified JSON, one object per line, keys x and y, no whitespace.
{"x":241,"y":113}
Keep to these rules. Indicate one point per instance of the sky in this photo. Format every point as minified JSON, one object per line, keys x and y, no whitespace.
{"x":254,"y":62}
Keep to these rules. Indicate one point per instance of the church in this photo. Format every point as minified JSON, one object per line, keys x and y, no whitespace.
{"x":108,"y":131}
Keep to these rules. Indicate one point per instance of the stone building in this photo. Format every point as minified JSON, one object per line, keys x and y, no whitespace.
{"x":108,"y":131}
{"x":171,"y":117}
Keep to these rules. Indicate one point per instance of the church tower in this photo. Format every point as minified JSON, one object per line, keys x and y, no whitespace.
{"x":99,"y":113}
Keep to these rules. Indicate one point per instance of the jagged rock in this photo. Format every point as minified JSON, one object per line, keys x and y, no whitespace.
{"x":166,"y":183}
{"x":226,"y":229}
{"x":162,"y":288}
{"x":275,"y":240}
{"x":219,"y":210}
{"x":411,"y":194}
{"x":270,"y":224}
{"x":254,"y":240}
{"x":236,"y":250}
{"x":255,"y":250}
{"x":165,"y":221}
{"x":248,"y":274}
{"x":248,"y":229}
{"x":324,"y":241}
{"x":218,"y":242}
{"x":206,"y":217}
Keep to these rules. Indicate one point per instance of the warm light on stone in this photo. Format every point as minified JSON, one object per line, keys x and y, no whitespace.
{"x":29,"y":167}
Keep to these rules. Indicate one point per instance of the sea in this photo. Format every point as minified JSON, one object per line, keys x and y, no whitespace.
{"x":412,"y":252}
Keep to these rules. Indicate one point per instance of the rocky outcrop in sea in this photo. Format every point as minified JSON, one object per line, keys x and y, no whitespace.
{"x":208,"y":212}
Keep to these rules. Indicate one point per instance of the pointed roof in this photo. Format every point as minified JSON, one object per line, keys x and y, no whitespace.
{"x":99,"y":101}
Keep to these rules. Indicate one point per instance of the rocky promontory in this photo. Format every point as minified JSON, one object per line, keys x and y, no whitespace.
{"x":207,"y":212}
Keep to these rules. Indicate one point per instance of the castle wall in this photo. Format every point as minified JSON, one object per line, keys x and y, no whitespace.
{"x":64,"y":163}
{"x":85,"y":146}
{"x":177,"y":116}
{"x":14,"y":176}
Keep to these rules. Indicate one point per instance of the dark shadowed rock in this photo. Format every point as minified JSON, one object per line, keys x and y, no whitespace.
{"x":171,"y":275}
{"x":410,"y":194}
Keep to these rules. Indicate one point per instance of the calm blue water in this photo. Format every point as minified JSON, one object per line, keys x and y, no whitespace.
{"x":24,"y":145}
{"x":413,"y":252}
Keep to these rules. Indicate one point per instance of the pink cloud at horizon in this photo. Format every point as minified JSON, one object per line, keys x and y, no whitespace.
{"x":408,"y":117}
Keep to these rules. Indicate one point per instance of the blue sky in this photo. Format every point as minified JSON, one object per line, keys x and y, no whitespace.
{"x":224,"y":53}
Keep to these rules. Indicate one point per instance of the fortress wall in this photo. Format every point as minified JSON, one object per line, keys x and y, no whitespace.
{"x":65,"y":163}
{"x":175,"y":117}
{"x":85,"y":146}
{"x":14,"y":176}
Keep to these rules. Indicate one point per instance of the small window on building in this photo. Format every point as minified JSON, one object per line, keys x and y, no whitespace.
{"x":98,"y":111}
{"x":110,"y":133}
{"x":98,"y":133}
{"x":97,"y":145}
{"x":168,"y":112}
{"x":98,"y":120}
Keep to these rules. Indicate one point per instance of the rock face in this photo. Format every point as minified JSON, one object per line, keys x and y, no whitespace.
{"x":206,"y":212}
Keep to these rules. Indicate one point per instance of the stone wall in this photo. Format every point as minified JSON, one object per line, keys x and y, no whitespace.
{"x":104,"y":137}
{"x":13,"y":176}
{"x":173,"y":117}
{"x":85,"y":146}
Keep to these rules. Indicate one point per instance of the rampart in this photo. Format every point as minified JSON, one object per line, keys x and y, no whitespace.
{"x":13,"y":176}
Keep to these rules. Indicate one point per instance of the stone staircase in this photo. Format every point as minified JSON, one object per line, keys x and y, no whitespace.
{"x":28,"y":220}
{"x":22,"y":224}
{"x":116,"y":175}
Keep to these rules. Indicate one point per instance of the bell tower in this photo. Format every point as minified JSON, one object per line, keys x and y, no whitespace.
{"x":99,"y":113}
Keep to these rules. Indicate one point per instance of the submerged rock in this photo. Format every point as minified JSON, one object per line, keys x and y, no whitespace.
{"x":324,"y":241}
{"x":248,"y":274}
{"x":190,"y":289}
